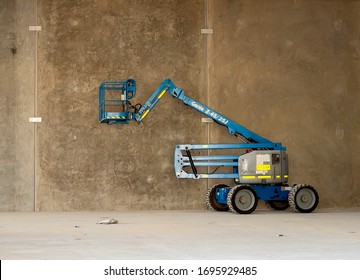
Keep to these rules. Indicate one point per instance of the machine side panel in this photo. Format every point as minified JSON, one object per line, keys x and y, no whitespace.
{"x":263,"y":167}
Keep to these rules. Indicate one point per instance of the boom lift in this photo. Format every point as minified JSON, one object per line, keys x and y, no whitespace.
{"x":258,"y":166}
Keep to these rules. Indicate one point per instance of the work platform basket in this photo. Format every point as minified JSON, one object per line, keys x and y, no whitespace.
{"x":114,"y":101}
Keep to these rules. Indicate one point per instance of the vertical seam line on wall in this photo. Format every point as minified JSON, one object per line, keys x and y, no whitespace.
{"x":35,"y":109}
{"x":16,"y":205}
{"x":207,"y":78}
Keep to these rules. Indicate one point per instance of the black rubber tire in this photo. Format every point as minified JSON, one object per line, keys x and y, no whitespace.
{"x":211,"y":200}
{"x":303,"y":198}
{"x":242,"y":200}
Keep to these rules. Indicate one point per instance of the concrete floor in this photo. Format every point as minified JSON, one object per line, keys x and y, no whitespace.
{"x":173,"y":235}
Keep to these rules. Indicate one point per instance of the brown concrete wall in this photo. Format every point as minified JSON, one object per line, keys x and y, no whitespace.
{"x":288,"y":70}
{"x":17,"y":89}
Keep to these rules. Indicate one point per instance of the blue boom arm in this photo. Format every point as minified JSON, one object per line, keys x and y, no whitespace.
{"x":233,"y":127}
{"x":114,"y":110}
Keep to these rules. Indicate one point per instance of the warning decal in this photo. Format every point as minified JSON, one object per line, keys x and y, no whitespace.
{"x":263,"y":163}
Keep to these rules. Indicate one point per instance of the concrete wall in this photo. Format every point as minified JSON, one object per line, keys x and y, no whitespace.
{"x":85,"y":165}
{"x":288,"y":70}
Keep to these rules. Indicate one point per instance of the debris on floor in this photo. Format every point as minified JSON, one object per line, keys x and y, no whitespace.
{"x":108,"y":221}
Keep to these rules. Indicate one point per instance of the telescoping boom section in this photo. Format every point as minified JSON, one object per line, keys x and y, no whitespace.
{"x":258,"y":166}
{"x":233,"y":127}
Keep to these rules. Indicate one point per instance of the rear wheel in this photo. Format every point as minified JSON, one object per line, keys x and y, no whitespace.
{"x":211,"y":200}
{"x":242,"y":199}
{"x":303,"y":198}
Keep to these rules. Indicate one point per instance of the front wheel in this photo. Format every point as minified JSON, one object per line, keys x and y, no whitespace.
{"x":242,"y":199}
{"x":303,"y":198}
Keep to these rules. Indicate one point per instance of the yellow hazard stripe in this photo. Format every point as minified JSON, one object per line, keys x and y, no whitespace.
{"x":259,"y":177}
{"x":162,"y":93}
{"x":264,"y":177}
{"x":248,"y":177}
{"x":144,"y":115}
